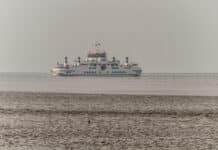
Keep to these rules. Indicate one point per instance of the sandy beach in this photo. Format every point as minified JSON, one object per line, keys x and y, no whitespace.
{"x":48,"y":121}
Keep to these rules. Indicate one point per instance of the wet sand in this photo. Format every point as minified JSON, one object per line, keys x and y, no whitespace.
{"x":47,"y":121}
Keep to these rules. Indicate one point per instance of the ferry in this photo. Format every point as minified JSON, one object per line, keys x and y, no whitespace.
{"x":97,"y":64}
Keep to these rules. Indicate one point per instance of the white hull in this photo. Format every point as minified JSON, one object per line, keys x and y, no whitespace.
{"x":136,"y":71}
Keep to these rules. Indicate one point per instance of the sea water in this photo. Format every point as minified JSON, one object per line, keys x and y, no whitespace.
{"x":148,"y":84}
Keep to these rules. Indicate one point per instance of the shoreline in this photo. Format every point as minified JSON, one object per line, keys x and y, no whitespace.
{"x":105,"y":94}
{"x":75,"y":103}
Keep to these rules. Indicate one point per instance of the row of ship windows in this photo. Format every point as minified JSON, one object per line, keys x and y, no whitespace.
{"x":90,"y":72}
{"x":111,"y":67}
{"x":94,"y":72}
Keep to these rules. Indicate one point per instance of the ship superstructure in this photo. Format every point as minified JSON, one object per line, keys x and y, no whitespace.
{"x":97,"y":64}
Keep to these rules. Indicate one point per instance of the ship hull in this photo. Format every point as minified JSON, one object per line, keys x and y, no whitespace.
{"x":79,"y":72}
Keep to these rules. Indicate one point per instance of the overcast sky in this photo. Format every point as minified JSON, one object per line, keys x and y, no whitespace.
{"x":161,"y":35}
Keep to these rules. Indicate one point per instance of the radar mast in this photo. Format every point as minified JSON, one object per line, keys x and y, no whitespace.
{"x":97,"y":45}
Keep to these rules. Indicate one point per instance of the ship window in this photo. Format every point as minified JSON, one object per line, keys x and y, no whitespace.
{"x":94,"y":55}
{"x":134,"y":64}
{"x":92,"y":66}
{"x":103,"y":67}
{"x":114,"y":66}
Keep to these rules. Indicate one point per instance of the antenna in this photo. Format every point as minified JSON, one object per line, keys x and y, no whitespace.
{"x":127,"y":60}
{"x":66,"y":60}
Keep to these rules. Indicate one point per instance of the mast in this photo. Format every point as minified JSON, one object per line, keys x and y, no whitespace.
{"x":97,"y":46}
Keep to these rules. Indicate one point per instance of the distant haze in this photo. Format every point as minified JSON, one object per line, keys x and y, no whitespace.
{"x":161,"y":35}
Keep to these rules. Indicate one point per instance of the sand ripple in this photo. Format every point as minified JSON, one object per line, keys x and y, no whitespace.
{"x":46,"y":121}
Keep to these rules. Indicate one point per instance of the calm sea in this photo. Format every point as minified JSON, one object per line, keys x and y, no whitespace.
{"x":160,"y":84}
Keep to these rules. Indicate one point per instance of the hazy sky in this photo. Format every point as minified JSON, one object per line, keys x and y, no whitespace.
{"x":162,"y":35}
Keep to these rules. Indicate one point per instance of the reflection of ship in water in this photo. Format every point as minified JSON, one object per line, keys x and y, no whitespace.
{"x":97,"y":64}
